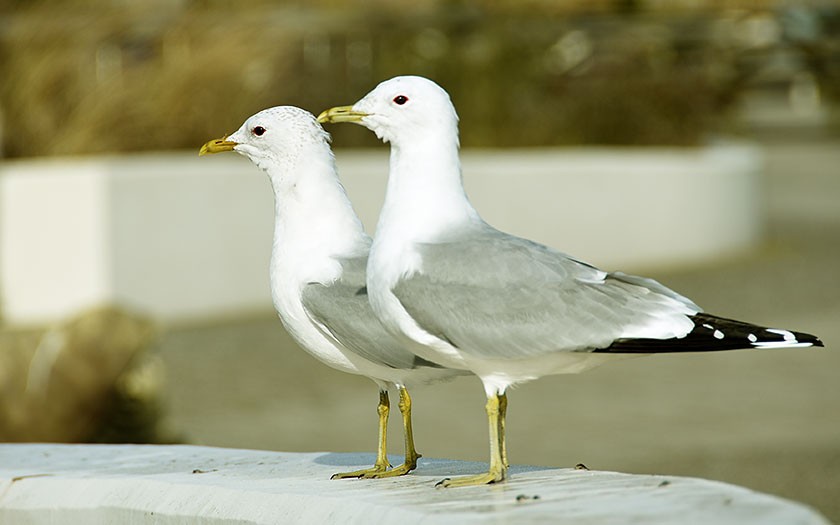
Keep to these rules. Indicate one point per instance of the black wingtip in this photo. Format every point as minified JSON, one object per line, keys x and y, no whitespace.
{"x":712,"y":333}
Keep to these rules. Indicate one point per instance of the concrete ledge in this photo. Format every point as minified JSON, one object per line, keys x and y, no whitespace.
{"x":70,"y":484}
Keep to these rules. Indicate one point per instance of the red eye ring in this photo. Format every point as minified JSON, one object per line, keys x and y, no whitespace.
{"x":258,"y":131}
{"x":400,"y":100}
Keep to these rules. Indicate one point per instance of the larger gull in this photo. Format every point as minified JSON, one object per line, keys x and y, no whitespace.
{"x":510,"y":310}
{"x":318,"y":264}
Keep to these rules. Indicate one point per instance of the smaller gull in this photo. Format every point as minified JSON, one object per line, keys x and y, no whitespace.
{"x":510,"y":310}
{"x":318,"y":265}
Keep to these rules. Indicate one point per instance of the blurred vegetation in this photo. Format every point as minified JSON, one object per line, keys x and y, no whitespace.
{"x":91,"y":378}
{"x":100,"y":76}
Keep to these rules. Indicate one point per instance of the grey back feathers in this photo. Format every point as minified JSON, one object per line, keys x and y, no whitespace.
{"x":493,"y":295}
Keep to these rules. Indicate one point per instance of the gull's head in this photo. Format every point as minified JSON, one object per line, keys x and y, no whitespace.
{"x":402,"y":110}
{"x":273,"y":136}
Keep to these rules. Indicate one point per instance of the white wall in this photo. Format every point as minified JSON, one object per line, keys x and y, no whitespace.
{"x":53,"y":244}
{"x":186,"y":237}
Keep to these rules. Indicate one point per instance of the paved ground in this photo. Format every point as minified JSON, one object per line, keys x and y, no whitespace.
{"x":769,"y":420}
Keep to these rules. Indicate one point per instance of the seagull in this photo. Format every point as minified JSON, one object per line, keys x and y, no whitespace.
{"x":509,"y":310}
{"x":318,"y":262}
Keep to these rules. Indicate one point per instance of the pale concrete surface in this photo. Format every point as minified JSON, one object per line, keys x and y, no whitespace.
{"x":766,"y":420}
{"x":185,"y":238}
{"x":70,"y":484}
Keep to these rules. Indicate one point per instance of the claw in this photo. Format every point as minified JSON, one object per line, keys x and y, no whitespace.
{"x":471,"y":481}
{"x":358,"y":474}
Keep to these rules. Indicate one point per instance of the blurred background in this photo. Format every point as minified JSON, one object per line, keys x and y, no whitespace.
{"x":117,"y":77}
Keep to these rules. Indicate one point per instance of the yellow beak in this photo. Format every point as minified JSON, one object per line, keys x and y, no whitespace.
{"x":341,"y":114}
{"x":217,"y":146}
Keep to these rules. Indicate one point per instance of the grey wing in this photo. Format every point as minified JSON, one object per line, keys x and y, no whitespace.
{"x":342,"y":310}
{"x":494,"y":295}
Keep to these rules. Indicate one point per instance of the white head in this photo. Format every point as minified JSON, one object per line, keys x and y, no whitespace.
{"x":273,"y":137}
{"x":402,"y":110}
{"x":313,"y":216}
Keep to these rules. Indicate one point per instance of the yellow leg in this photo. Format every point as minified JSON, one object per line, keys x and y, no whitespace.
{"x":498,"y":466}
{"x":503,"y":402}
{"x":381,"y":464}
{"x":411,"y":455}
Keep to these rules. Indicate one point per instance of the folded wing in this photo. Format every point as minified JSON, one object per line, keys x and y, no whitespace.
{"x":341,"y":310}
{"x":493,"y":295}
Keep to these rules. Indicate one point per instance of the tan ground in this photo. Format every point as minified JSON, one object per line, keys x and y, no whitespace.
{"x":769,"y":420}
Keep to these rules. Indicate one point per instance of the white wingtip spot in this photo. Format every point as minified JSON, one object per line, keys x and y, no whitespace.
{"x":718,"y":334}
{"x":781,"y":344}
{"x":752,"y":338}
{"x":788,"y":335}
{"x":707,"y":325}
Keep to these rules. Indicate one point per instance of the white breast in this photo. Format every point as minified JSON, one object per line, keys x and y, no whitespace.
{"x":286,"y":286}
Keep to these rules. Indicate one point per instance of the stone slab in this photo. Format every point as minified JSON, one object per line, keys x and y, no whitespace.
{"x":99,"y":484}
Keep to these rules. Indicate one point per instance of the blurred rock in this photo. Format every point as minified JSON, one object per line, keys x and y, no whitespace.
{"x":91,"y":378}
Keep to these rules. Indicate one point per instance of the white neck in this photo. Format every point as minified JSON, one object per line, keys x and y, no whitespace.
{"x":424,"y":202}
{"x":314,"y":220}
{"x":425,"y":194}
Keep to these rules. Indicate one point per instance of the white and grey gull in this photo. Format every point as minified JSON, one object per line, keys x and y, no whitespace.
{"x":468,"y":296}
{"x":317,"y":267}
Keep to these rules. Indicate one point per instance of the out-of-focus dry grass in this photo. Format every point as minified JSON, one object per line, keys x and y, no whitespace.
{"x":103,"y":76}
{"x":125,"y":81}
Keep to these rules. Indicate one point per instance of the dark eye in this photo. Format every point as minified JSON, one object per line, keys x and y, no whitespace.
{"x":258,"y":131}
{"x":400,"y":100}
